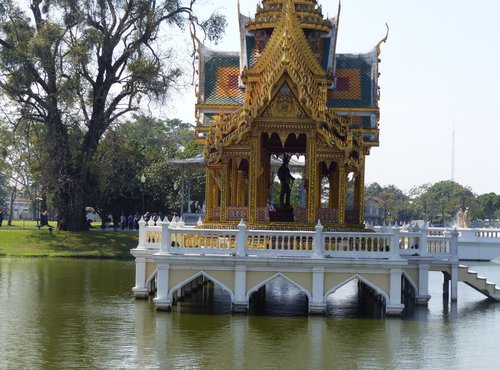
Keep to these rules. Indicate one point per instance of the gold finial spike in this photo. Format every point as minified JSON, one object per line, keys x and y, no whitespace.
{"x":383,"y":40}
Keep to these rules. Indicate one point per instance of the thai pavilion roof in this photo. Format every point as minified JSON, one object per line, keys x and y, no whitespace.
{"x":328,"y":85}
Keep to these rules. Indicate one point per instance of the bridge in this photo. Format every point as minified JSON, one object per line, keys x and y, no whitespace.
{"x":391,"y":262}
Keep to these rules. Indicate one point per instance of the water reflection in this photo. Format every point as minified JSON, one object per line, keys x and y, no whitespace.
{"x":74,"y":313}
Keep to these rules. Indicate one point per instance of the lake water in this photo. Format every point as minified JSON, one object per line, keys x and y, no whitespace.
{"x":64,"y":313}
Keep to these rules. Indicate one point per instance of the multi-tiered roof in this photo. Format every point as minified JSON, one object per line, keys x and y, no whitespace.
{"x":285,"y":83}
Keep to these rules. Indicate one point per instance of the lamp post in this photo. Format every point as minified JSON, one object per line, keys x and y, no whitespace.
{"x":143,"y":181}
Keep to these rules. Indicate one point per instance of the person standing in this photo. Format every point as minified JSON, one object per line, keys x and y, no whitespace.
{"x":1,"y":216}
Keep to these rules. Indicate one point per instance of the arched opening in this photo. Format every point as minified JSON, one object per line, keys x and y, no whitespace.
{"x":202,"y":295}
{"x":353,"y":299}
{"x":278,"y":296}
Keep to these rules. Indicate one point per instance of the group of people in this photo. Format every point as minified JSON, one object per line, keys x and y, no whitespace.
{"x":130,"y":222}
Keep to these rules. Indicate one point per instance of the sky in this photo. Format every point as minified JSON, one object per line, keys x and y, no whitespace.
{"x":440,"y":79}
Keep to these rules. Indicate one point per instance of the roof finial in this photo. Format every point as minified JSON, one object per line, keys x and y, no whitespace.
{"x":383,"y":40}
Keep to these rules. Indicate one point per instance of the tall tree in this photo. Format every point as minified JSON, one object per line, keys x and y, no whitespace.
{"x":445,"y":198}
{"x":77,"y":67}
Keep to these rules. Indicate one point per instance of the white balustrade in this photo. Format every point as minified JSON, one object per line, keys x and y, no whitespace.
{"x":280,"y":243}
{"x":306,"y":244}
{"x":410,"y":243}
{"x":153,"y":237}
{"x":487,"y":233}
{"x":357,"y":245}
{"x":202,"y":241}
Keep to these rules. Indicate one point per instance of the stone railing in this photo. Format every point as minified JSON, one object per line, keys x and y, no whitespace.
{"x":177,"y":238}
{"x":441,"y":243}
{"x":362,"y":245}
{"x":279,"y":243}
{"x":486,"y":233}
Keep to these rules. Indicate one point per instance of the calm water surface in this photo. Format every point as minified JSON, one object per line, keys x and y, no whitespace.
{"x":62,"y":313}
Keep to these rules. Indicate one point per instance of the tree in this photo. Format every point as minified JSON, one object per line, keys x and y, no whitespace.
{"x":392,"y":200}
{"x":139,"y":147}
{"x":489,"y":206}
{"x":444,"y":199}
{"x":76,"y":67}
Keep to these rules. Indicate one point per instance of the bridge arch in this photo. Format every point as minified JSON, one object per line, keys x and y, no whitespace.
{"x":195,"y":276}
{"x":150,"y":279}
{"x":410,"y":280}
{"x":362,"y":279}
{"x":279,"y":274}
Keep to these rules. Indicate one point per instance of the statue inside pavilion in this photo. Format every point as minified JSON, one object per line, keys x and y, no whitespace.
{"x":287,"y":97}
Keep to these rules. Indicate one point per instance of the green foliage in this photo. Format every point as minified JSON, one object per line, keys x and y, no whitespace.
{"x":214,"y":27}
{"x":489,"y":206}
{"x":437,"y":203}
{"x":392,"y":201}
{"x":445,"y":198}
{"x":139,"y":147}
{"x":78,"y":67}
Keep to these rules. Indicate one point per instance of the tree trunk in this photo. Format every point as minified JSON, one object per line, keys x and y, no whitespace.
{"x":64,"y":174}
{"x":13,"y":196}
{"x":71,"y":210}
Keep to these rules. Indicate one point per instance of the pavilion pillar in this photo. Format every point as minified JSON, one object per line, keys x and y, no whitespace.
{"x":208,"y":194}
{"x":359,"y":198}
{"x":233,"y":183}
{"x":225,"y":191}
{"x":215,"y":190}
{"x":312,"y":178}
{"x":341,"y":189}
{"x":319,"y":177}
{"x":253,"y":178}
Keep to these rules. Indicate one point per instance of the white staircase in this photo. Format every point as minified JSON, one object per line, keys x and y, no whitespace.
{"x":481,"y":284}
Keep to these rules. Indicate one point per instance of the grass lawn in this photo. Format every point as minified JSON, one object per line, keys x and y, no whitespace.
{"x":24,"y":224}
{"x":41,"y":243}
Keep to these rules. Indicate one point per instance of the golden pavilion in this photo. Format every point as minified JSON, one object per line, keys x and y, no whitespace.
{"x":287,"y":93}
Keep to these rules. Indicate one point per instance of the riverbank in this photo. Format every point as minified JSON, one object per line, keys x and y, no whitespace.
{"x":42,"y":243}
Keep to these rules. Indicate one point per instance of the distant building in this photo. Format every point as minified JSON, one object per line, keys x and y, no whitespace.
{"x":21,"y":209}
{"x":374,"y":214}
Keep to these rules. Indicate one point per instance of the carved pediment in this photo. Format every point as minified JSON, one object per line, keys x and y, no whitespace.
{"x":284,"y":105}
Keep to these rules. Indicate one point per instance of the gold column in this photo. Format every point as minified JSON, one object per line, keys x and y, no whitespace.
{"x":225,"y":191}
{"x":342,"y":179}
{"x":211,"y":193}
{"x":253,"y":178}
{"x":215,"y":189}
{"x":319,"y":178}
{"x":208,"y":193}
{"x":312,"y":193}
{"x":233,"y":183}
{"x":359,"y":196}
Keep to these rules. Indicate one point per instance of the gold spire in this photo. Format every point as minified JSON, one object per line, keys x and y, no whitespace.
{"x":309,"y":14}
